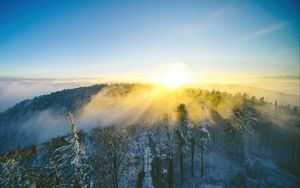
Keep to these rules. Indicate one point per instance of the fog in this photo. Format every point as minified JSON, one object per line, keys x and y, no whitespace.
{"x":283,"y":89}
{"x":148,"y":103}
{"x":14,"y":90}
{"x":44,"y":126}
{"x":123,"y":105}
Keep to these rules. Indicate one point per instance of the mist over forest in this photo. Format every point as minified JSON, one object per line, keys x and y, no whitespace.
{"x":160,"y":137}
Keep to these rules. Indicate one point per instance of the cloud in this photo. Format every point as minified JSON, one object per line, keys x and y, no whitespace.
{"x":43,"y":126}
{"x":219,"y":12}
{"x":265,"y":31}
{"x":16,"y":89}
{"x":281,"y":77}
{"x":206,"y":22}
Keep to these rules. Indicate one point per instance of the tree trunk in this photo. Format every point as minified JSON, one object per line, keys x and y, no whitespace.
{"x":10,"y":179}
{"x":192,"y":155}
{"x":170,"y":178}
{"x":115,"y":173}
{"x":294,"y":148}
{"x":181,"y":164}
{"x":202,"y":161}
{"x":162,"y":175}
{"x":160,"y":180}
{"x":116,"y":181}
{"x":140,"y":179}
{"x":157,"y":175}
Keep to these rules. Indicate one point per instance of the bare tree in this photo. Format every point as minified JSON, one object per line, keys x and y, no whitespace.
{"x":113,"y":144}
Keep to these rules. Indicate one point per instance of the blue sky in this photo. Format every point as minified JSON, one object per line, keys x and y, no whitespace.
{"x":100,"y":38}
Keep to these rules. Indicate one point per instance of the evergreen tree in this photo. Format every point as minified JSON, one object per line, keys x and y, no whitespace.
{"x":202,"y":140}
{"x":11,"y":174}
{"x":183,"y":134}
{"x":147,"y":183}
{"x":72,"y":159}
{"x":54,"y":174}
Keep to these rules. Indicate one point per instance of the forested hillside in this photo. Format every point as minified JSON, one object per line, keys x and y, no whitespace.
{"x":14,"y":134}
{"x":127,"y":135}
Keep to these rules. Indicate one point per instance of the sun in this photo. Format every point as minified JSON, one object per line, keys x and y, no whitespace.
{"x":175,"y":77}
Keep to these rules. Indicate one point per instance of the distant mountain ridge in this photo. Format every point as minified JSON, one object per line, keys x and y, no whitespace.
{"x":68,"y":100}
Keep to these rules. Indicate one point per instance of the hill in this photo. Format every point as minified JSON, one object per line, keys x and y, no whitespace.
{"x":135,"y":135}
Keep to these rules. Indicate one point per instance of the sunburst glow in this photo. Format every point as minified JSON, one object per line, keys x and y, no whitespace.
{"x":175,"y":77}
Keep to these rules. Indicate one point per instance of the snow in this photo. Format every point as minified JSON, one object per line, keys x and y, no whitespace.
{"x":147,"y":169}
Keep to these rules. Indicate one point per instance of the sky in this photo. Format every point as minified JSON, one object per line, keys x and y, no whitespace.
{"x":92,"y":38}
{"x":134,"y":40}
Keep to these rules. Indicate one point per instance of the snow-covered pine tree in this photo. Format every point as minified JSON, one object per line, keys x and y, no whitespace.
{"x":147,"y":183}
{"x":136,"y":156}
{"x":191,"y":138}
{"x":36,"y":177}
{"x":11,"y":175}
{"x":158,"y":141}
{"x":54,"y":173}
{"x":184,"y":135}
{"x":241,"y":126}
{"x":202,"y":139}
{"x":171,"y":145}
{"x":72,"y":159}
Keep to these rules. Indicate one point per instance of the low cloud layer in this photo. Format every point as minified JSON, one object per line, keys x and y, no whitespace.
{"x":14,"y":90}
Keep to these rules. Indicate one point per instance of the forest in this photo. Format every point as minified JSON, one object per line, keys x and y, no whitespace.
{"x":138,"y":135}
